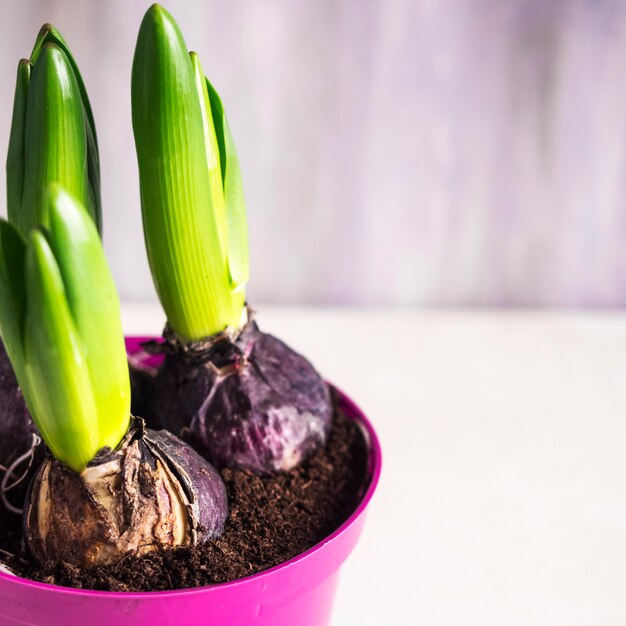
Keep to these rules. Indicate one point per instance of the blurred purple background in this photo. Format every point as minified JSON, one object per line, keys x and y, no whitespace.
{"x":394,"y":153}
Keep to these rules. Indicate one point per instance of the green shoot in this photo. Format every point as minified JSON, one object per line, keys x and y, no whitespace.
{"x":53,"y":136}
{"x":236,"y":223}
{"x":191,"y":193}
{"x":60,"y":322}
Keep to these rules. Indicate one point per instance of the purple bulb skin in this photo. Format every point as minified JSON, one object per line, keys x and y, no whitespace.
{"x":16,"y":426}
{"x":18,"y":437}
{"x":202,"y":483}
{"x":246,"y":403}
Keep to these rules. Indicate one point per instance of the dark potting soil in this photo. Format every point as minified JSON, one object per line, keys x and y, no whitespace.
{"x":271,"y":520}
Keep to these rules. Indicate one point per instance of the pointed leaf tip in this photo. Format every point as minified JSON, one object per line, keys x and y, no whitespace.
{"x":56,"y":146}
{"x":159,"y":12}
{"x":158,"y":16}
{"x":59,"y":60}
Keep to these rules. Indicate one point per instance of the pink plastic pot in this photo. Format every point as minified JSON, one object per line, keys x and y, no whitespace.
{"x":298,"y":592}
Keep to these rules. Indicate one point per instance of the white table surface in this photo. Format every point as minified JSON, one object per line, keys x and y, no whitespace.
{"x":503,"y":495}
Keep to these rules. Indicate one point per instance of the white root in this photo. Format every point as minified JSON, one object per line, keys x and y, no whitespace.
{"x":6,"y":486}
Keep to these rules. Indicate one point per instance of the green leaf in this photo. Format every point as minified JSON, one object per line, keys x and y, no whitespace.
{"x":218,"y":116}
{"x":15,"y":156}
{"x":53,"y":135}
{"x":238,"y":255}
{"x":95,"y":309}
{"x":93,"y":177}
{"x":212,"y":151}
{"x":237,"y":223}
{"x":49,"y":34}
{"x":181,"y":222}
{"x":57,"y":381}
{"x":12,"y":291}
{"x":60,"y":321}
{"x":55,"y":139}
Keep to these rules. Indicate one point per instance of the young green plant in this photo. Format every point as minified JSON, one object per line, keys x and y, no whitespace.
{"x":194,"y":216}
{"x":61,"y":327}
{"x":55,"y":335}
{"x":241,"y":396}
{"x":53,"y":139}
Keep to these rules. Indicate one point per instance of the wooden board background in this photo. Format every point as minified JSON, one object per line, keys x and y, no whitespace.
{"x":404,"y":153}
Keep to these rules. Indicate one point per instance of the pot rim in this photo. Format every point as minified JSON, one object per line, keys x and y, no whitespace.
{"x":374,"y":468}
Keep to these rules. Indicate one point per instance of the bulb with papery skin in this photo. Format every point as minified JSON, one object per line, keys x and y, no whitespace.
{"x":153,"y":492}
{"x":248,"y":402}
